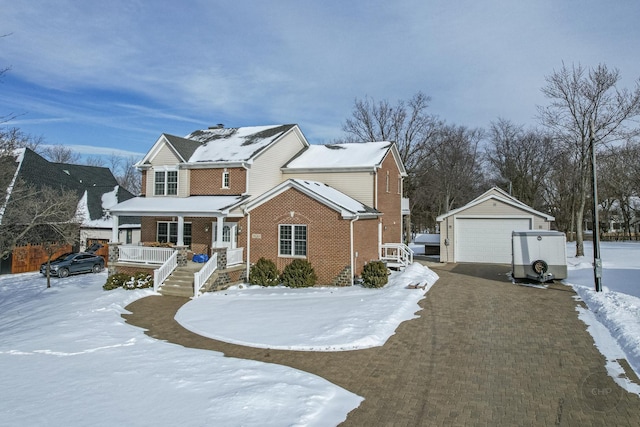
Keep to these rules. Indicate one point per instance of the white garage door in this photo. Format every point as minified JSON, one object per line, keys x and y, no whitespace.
{"x":486,"y":240}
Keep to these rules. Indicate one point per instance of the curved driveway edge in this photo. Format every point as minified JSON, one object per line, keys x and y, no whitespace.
{"x":482,"y":352}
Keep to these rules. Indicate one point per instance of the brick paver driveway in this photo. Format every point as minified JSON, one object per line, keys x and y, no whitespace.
{"x":483,"y":352}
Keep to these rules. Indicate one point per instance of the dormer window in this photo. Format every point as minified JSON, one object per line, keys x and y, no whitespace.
{"x":166,"y":183}
{"x":225,"y":179}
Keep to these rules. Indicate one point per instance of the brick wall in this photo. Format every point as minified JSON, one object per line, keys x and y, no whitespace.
{"x":365,"y":242}
{"x":208,"y":182}
{"x":390,"y":202}
{"x":327,"y":233}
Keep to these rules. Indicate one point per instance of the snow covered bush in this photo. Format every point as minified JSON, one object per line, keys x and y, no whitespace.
{"x":264,"y":273}
{"x":374,"y":275}
{"x":299,"y":274}
{"x":127,"y":281}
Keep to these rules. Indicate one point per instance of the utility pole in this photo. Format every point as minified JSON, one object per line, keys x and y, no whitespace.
{"x":597,"y":262}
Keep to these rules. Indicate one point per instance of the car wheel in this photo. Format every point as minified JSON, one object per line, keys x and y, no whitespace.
{"x":63,"y":272}
{"x":97,"y":268}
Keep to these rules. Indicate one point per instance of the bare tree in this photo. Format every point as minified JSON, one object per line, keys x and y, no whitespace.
{"x":128,"y":176}
{"x":408,"y":124}
{"x":580,"y":97}
{"x":520,"y":160}
{"x":452,"y":175}
{"x":60,"y":154}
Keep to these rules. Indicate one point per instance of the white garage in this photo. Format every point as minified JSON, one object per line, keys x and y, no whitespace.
{"x":480,"y":231}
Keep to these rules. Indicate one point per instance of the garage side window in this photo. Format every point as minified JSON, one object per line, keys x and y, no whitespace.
{"x":292,"y":240}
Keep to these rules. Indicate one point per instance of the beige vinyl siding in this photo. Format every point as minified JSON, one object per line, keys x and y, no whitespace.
{"x":165,"y":157}
{"x":358,"y":185}
{"x":265,"y":171}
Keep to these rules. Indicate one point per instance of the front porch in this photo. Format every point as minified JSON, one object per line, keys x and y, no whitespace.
{"x":173,"y":271}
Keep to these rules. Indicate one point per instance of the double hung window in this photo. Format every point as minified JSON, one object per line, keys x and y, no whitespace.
{"x":166,"y":183}
{"x":168,"y":232}
{"x":292,"y":240}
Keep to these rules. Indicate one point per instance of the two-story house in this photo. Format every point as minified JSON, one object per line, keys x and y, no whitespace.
{"x":252,"y":192}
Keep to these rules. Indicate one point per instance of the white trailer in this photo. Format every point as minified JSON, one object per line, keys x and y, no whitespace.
{"x":539,"y":255}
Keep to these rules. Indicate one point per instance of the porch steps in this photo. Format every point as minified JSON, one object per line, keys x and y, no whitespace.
{"x":180,"y":282}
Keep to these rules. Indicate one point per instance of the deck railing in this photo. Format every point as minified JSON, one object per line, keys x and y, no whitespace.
{"x":161,"y":274}
{"x":144,"y":254}
{"x":234,"y":256}
{"x":396,"y":254}
{"x":201,"y":277}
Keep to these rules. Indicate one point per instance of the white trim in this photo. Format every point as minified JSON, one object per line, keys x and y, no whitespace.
{"x":293,"y":241}
{"x":510,"y":201}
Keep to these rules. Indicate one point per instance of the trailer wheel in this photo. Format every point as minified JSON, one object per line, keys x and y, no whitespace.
{"x":539,"y":266}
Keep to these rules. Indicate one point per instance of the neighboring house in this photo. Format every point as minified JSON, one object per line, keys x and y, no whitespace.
{"x":264,"y":191}
{"x":96,"y":187}
{"x":480,"y":231}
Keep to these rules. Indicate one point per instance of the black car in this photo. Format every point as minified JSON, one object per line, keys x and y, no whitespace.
{"x":74,"y":263}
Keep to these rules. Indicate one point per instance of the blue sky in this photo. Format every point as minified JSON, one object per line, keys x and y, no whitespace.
{"x":103,"y":76}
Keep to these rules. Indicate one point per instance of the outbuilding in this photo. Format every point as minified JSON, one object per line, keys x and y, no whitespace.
{"x":480,"y":231}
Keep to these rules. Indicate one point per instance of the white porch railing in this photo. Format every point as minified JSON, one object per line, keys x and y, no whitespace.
{"x":161,"y":274}
{"x":201,"y":277}
{"x":234,"y":256}
{"x":396,"y":254}
{"x":144,"y":254}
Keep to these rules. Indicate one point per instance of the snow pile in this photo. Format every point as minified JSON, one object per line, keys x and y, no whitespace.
{"x":312,"y":319}
{"x":69,"y":359}
{"x":618,"y":307}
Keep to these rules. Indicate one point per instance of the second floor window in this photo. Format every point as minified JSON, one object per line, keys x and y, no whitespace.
{"x":166,"y":183}
{"x":225,"y":179}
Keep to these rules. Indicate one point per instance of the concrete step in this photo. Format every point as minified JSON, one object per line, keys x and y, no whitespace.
{"x":176,"y":290}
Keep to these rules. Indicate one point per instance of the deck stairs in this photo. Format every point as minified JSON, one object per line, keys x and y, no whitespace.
{"x":180,"y":282}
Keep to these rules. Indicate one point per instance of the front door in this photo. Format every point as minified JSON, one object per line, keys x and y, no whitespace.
{"x":228,"y":235}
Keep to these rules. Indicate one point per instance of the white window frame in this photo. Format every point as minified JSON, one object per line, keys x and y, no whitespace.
{"x":187,"y":237}
{"x":165,"y":182}
{"x":225,"y":179}
{"x":292,"y":241}
{"x":387,"y":182}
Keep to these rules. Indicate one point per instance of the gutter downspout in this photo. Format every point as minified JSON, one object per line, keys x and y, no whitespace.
{"x":248,"y":243}
{"x":351,"y":248}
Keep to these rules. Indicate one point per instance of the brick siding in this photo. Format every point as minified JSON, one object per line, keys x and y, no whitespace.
{"x":208,"y":182}
{"x":390,"y":203}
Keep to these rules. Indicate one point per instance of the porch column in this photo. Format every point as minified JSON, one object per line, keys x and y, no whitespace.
{"x":180,"y":231}
{"x":115,"y":237}
{"x":219,"y":232}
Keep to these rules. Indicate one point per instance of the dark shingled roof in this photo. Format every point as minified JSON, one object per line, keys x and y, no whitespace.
{"x":183,"y":146}
{"x":95,"y":180}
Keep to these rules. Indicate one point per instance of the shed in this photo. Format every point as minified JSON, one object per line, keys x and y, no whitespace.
{"x":480,"y":231}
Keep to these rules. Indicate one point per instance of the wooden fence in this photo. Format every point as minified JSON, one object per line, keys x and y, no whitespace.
{"x":28,"y":258}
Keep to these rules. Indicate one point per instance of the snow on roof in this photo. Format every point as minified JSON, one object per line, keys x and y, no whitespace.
{"x":196,"y":205}
{"x":234,"y":144}
{"x":331,"y":194}
{"x":341,"y":156}
{"x":346,"y":205}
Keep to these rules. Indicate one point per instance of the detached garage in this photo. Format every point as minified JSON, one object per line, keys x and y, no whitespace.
{"x":480,"y":231}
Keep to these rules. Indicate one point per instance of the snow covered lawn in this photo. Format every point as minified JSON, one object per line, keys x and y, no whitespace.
{"x":617,"y":308}
{"x":69,"y":359}
{"x":313,"y":319}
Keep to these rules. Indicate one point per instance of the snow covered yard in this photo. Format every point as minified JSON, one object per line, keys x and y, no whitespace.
{"x":68,"y":358}
{"x":615,"y":312}
{"x":313,"y":319}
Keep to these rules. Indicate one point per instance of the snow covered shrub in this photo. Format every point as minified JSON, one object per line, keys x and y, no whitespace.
{"x":264,"y":273}
{"x":139,"y":281}
{"x":115,"y":281}
{"x":299,"y":274}
{"x":126,"y":281}
{"x":374,"y":275}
